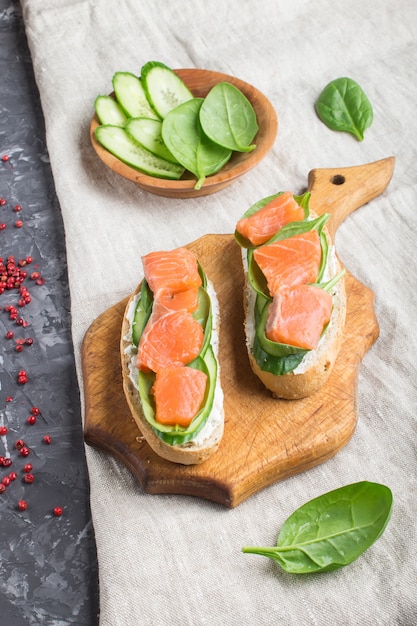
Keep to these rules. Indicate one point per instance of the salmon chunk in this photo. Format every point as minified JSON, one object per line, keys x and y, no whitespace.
{"x":292,"y":261}
{"x":179,"y":393}
{"x":175,"y":270}
{"x":298,"y":315}
{"x":263,"y":224}
{"x":175,"y":338}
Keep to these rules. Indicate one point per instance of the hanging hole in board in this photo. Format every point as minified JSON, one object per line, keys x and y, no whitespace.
{"x":338,"y":179}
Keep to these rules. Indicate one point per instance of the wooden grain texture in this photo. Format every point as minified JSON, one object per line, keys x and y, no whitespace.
{"x":340,"y":191}
{"x":265,"y":440}
{"x":200,"y":82}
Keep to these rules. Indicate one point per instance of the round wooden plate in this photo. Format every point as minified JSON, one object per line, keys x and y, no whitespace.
{"x":200,"y":82}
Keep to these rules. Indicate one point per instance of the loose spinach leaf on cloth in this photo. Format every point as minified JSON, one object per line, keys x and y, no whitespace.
{"x":332,"y":530}
{"x":344,"y":106}
{"x":228,"y":118}
{"x":185,"y":139}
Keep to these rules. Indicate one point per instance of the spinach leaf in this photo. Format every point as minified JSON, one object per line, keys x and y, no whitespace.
{"x":228,"y":118}
{"x":185,"y":139}
{"x":332,"y":530}
{"x":277,"y":365}
{"x":344,"y":106}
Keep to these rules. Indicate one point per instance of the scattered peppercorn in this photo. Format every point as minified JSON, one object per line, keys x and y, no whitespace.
{"x":22,"y":377}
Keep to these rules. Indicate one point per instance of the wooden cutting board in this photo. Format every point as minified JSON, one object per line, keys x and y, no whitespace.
{"x":265,"y":440}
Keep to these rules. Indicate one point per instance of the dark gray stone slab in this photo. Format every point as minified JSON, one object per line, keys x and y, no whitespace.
{"x":48,"y":564}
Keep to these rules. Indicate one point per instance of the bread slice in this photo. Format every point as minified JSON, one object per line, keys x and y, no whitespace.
{"x":314,"y":370}
{"x":208,"y":439}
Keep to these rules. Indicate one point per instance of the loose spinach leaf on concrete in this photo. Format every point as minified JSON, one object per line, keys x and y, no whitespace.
{"x":332,"y":530}
{"x":344,"y":106}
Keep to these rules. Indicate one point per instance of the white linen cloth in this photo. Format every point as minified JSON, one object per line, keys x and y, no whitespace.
{"x":173,"y":560}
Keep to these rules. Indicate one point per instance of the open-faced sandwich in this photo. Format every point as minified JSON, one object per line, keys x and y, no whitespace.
{"x":169,"y":350}
{"x":295,"y":300}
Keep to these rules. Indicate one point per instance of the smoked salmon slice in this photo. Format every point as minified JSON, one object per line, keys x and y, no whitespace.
{"x":179,"y":393}
{"x":298,"y":315}
{"x":177,"y":300}
{"x":262,"y":225}
{"x":176,"y":270}
{"x":291,"y":261}
{"x":174,"y":338}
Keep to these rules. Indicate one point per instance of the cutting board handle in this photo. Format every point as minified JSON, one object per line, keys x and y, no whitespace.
{"x":340,"y":191}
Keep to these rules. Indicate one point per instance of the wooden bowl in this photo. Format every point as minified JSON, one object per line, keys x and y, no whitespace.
{"x":200,"y":82}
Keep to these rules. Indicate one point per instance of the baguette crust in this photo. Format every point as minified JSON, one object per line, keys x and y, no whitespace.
{"x":190,"y":453}
{"x":316,"y":367}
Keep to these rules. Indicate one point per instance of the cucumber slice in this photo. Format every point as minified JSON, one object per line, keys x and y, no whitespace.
{"x":148,"y":133}
{"x":163,"y":88}
{"x":204,"y":316}
{"x":142,"y":312}
{"x":131,"y":96}
{"x":109,"y":111}
{"x":121,"y":145}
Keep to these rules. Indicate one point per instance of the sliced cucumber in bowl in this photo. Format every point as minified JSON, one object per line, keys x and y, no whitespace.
{"x":117,"y":141}
{"x":131,"y":95}
{"x":163,"y":88}
{"x":148,"y":133}
{"x":109,"y":111}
